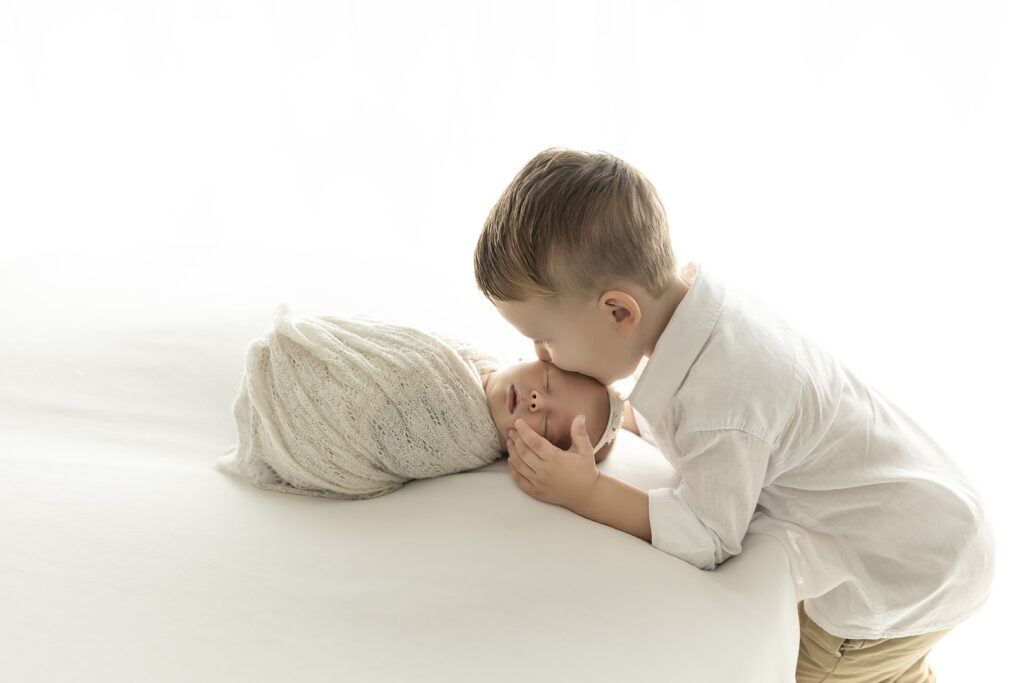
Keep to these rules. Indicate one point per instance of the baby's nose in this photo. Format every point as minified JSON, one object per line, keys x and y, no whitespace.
{"x":537,"y":401}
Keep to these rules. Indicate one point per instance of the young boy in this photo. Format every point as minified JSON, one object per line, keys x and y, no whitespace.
{"x":888,"y":542}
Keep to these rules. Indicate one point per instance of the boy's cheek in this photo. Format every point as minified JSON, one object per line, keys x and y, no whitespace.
{"x":567,"y":364}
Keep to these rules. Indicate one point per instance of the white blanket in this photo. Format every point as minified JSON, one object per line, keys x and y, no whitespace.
{"x":353,"y":408}
{"x":120,"y":544}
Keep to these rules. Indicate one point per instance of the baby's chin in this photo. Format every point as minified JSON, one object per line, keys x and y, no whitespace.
{"x":502,"y":421}
{"x":501,"y":425}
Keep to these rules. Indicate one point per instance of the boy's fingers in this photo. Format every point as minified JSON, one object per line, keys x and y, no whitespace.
{"x":527,"y":457}
{"x":580,"y":438}
{"x":537,"y":443}
{"x":522,"y":465}
{"x":515,"y":457}
{"x":515,"y":473}
{"x":522,"y":481}
{"x":514,"y":469}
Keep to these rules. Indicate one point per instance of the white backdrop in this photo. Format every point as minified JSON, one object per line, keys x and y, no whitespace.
{"x":859,"y":164}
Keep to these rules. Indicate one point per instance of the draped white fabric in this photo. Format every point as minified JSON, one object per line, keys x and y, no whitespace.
{"x":124,"y":551}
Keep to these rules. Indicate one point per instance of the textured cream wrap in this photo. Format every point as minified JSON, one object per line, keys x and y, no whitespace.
{"x":355,"y":407}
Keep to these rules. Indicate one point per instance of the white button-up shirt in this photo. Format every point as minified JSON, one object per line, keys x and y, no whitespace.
{"x":886,"y":536}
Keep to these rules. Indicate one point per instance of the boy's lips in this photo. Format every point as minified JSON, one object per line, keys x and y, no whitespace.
{"x":513,"y":398}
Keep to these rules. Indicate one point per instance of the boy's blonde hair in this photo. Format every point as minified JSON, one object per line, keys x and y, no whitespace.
{"x":569,"y":223}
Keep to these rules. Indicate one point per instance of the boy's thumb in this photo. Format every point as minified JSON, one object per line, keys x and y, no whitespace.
{"x":580,"y":438}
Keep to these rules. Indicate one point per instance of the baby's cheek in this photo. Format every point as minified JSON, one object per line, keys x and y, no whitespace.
{"x":502,"y":425}
{"x":537,"y":424}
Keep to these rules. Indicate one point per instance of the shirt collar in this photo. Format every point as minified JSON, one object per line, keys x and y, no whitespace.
{"x":678,"y":346}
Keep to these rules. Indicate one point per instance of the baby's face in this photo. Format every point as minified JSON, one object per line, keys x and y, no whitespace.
{"x":548,"y":399}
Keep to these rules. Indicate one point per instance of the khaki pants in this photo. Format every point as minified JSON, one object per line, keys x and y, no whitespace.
{"x":825,"y":657}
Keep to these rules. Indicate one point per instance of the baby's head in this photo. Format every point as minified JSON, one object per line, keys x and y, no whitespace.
{"x":548,"y":399}
{"x":573,"y":244}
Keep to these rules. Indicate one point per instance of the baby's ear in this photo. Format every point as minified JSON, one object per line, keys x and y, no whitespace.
{"x":623,"y":310}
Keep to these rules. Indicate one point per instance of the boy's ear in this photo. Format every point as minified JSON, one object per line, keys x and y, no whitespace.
{"x":623,"y":310}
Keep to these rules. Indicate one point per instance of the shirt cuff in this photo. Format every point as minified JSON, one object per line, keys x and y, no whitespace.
{"x":676,"y":530}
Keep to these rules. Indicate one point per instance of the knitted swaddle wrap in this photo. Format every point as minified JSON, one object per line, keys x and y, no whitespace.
{"x":355,"y":407}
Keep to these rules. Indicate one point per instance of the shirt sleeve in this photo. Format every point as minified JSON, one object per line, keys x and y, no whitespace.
{"x":645,"y":429}
{"x":704,"y":519}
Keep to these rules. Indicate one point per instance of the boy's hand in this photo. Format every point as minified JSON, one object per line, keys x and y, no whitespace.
{"x":547,"y":472}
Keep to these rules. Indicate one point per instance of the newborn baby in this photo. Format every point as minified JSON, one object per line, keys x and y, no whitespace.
{"x":548,"y":399}
{"x":354,"y":407}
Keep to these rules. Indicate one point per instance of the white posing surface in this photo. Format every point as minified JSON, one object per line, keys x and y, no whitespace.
{"x":124,"y":556}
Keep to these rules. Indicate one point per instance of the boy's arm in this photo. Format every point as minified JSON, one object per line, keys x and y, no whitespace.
{"x":617,"y":504}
